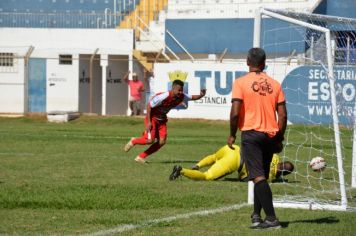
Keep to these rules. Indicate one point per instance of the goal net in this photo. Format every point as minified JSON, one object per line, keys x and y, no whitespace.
{"x":314,"y":58}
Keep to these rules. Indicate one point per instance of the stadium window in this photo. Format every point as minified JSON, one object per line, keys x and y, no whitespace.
{"x":65,"y":59}
{"x":6,"y":59}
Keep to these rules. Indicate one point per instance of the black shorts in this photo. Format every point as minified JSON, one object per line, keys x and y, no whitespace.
{"x":257,"y":151}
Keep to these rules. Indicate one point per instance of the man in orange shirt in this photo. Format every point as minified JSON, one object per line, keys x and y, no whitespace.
{"x":256,"y":98}
{"x":136,"y":89}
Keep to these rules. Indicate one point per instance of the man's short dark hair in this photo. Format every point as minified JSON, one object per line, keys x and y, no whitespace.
{"x":287,"y":168}
{"x":178,"y":82}
{"x":256,"y":57}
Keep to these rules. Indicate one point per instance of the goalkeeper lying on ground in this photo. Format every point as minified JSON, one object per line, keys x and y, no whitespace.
{"x":224,"y":162}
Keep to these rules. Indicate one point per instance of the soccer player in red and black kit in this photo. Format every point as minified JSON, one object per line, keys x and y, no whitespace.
{"x":156,"y":119}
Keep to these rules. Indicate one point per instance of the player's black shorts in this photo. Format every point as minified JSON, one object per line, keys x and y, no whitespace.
{"x":256,"y":149}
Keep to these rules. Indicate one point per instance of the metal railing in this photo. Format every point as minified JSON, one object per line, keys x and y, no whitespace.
{"x":155,"y":40}
{"x":60,"y":20}
{"x":345,"y":56}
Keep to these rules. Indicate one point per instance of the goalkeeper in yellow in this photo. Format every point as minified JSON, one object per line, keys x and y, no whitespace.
{"x":225,"y":161}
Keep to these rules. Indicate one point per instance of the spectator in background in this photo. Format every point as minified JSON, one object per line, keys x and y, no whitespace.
{"x":136,"y":89}
{"x":149,"y":78}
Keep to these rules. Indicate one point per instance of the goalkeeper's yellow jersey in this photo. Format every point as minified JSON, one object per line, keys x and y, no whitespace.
{"x":226,"y":161}
{"x":273,"y":168}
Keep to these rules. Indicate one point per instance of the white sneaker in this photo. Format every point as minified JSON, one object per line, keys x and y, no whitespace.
{"x":140,"y":160}
{"x":128,"y":145}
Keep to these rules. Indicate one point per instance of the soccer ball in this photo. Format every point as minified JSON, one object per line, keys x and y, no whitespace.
{"x":317,"y":164}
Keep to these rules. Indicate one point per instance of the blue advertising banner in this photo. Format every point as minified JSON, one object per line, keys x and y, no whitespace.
{"x":308,"y":95}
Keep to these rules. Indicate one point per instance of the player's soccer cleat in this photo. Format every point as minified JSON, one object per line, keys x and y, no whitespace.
{"x":140,"y":160}
{"x":268,"y":225}
{"x":128,"y":145}
{"x":255,"y":220}
{"x":175,"y":173}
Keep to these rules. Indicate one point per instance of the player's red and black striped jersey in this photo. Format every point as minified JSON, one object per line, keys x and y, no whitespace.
{"x":162,"y":103}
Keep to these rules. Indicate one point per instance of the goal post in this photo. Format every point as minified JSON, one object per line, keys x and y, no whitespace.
{"x":316,"y":38}
{"x":353,"y":175}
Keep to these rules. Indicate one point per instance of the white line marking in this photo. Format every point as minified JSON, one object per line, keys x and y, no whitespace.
{"x":128,"y":227}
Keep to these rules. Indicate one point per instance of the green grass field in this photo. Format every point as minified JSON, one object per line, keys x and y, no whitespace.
{"x":74,"y":178}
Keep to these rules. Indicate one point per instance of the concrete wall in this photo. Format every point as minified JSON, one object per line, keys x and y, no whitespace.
{"x":12,"y":87}
{"x":64,"y":83}
{"x":213,"y":36}
{"x":117,"y":89}
{"x":343,"y":8}
{"x":84,"y":85}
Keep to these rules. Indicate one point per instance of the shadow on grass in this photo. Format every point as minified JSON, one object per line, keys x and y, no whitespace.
{"x":173,"y":162}
{"x":232,"y":179}
{"x":284,"y":224}
{"x":324,"y":220}
{"x":274,"y":181}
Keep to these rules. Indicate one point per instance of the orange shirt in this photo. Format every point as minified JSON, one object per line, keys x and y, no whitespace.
{"x":135,"y":89}
{"x":260,"y":95}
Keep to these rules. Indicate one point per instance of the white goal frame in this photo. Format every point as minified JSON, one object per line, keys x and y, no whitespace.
{"x":330,"y":69}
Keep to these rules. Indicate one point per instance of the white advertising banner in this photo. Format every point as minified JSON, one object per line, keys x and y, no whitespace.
{"x":217,"y":78}
{"x":306,"y":88}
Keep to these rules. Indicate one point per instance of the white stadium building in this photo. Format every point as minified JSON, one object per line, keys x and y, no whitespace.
{"x":70,"y":56}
